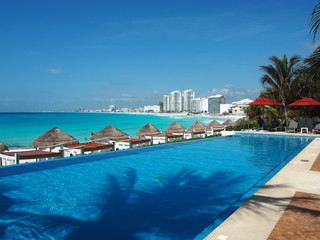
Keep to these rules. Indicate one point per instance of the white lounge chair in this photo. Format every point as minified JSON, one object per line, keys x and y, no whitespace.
{"x":292,"y":127}
{"x":316,"y":128}
{"x":306,"y":123}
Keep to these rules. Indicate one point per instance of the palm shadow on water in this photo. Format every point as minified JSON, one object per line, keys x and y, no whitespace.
{"x":5,"y":204}
{"x":179,"y":207}
{"x":22,"y":225}
{"x":176,"y":207}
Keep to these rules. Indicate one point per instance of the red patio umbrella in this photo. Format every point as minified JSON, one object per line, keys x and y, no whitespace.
{"x":305,"y":102}
{"x":264,"y":101}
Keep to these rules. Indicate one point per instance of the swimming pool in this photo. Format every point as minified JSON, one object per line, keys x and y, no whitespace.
{"x":172,"y":191}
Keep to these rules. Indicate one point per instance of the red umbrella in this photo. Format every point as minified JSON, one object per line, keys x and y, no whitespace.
{"x":305,"y":102}
{"x":264,"y":101}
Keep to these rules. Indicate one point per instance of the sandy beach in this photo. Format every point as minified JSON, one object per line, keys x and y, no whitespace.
{"x":231,"y":117}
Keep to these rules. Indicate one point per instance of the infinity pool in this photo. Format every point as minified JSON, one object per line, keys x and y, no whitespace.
{"x":174,"y":191}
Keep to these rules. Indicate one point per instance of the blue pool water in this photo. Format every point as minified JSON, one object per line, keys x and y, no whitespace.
{"x":174,"y":191}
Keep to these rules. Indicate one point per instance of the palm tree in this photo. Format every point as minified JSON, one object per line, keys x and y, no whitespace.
{"x":313,"y":61}
{"x":279,"y":77}
{"x":315,"y":21}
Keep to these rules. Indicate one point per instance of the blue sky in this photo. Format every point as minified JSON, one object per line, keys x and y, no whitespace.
{"x":65,"y":55}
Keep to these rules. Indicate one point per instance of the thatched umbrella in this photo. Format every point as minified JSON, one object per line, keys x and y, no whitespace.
{"x":197,"y":126}
{"x":214,"y":124}
{"x":228,"y":123}
{"x":109,"y":132}
{"x":54,"y":136}
{"x":239,"y":121}
{"x":147,"y":129}
{"x":3,"y":147}
{"x":175,"y":127}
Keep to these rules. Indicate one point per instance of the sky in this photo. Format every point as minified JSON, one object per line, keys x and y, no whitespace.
{"x":64,"y":55}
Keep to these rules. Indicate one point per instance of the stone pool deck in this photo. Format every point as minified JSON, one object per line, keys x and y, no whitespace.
{"x":287,"y":207}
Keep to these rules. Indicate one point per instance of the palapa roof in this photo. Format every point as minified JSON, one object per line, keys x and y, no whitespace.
{"x":109,"y":132}
{"x":214,"y":124}
{"x":228,"y":123}
{"x":197,"y":126}
{"x":3,"y":147}
{"x":238,"y":121}
{"x":175,"y":127}
{"x":148,"y":129}
{"x":54,"y":136}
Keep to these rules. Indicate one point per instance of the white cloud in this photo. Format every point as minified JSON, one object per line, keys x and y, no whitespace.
{"x":233,"y":93}
{"x":54,"y":70}
{"x":311,"y":46}
{"x":228,"y":86}
{"x":125,"y":95}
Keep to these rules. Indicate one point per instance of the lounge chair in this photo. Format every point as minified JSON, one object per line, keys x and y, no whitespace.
{"x":292,"y":127}
{"x":306,"y":123}
{"x":316,"y":128}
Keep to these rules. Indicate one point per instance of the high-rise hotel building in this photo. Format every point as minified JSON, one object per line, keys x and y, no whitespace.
{"x":177,"y":101}
{"x":187,"y":96}
{"x":166,"y":103}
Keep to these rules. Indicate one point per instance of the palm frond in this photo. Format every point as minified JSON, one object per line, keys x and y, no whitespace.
{"x":315,"y":21}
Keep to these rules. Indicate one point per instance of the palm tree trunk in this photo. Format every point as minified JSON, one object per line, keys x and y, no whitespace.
{"x":286,"y":113}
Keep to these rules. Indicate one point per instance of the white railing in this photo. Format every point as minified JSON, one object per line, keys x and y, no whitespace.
{"x":9,"y":160}
{"x":70,"y":152}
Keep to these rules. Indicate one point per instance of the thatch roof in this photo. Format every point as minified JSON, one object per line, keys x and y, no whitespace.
{"x":175,"y":127}
{"x":54,"y":136}
{"x":3,"y":147}
{"x":147,"y":129}
{"x":197,"y":126}
{"x":109,"y":132}
{"x":214,"y":124}
{"x":228,"y":123}
{"x":239,"y":121}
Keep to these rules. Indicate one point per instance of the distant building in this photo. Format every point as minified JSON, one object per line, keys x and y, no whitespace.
{"x":199,"y":105}
{"x":237,"y":107}
{"x":124,"y":110}
{"x":204,"y":105}
{"x":225,"y":108}
{"x":161,"y":106}
{"x":214,"y":103}
{"x":196,"y":105}
{"x":154,"y":108}
{"x":166,"y":103}
{"x":112,"y":108}
{"x":176,"y":101}
{"x":187,"y":96}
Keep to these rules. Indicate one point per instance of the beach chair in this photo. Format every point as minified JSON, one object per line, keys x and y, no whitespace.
{"x":292,"y":127}
{"x":316,"y":128}
{"x":306,"y":123}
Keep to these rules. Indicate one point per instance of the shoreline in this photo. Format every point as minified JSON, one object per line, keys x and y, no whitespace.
{"x":168,"y":117}
{"x":231,"y":117}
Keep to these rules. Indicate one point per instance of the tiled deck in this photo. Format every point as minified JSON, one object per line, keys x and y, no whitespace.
{"x":287,"y":207}
{"x":300,"y":220}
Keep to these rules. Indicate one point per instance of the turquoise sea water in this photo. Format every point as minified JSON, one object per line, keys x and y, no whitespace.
{"x":21,"y":129}
{"x":178,"y":191}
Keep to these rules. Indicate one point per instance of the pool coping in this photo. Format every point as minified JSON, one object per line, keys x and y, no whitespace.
{"x":258,"y":216}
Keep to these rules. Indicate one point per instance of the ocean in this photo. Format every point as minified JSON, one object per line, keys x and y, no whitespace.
{"x":19,"y":130}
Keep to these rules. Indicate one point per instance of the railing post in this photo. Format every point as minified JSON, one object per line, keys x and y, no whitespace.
{"x":17,"y":158}
{"x":82,"y":150}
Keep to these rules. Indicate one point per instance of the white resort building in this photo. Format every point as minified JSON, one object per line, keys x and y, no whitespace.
{"x":176,"y":101}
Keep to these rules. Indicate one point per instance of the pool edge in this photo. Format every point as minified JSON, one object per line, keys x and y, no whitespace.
{"x":259,"y":215}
